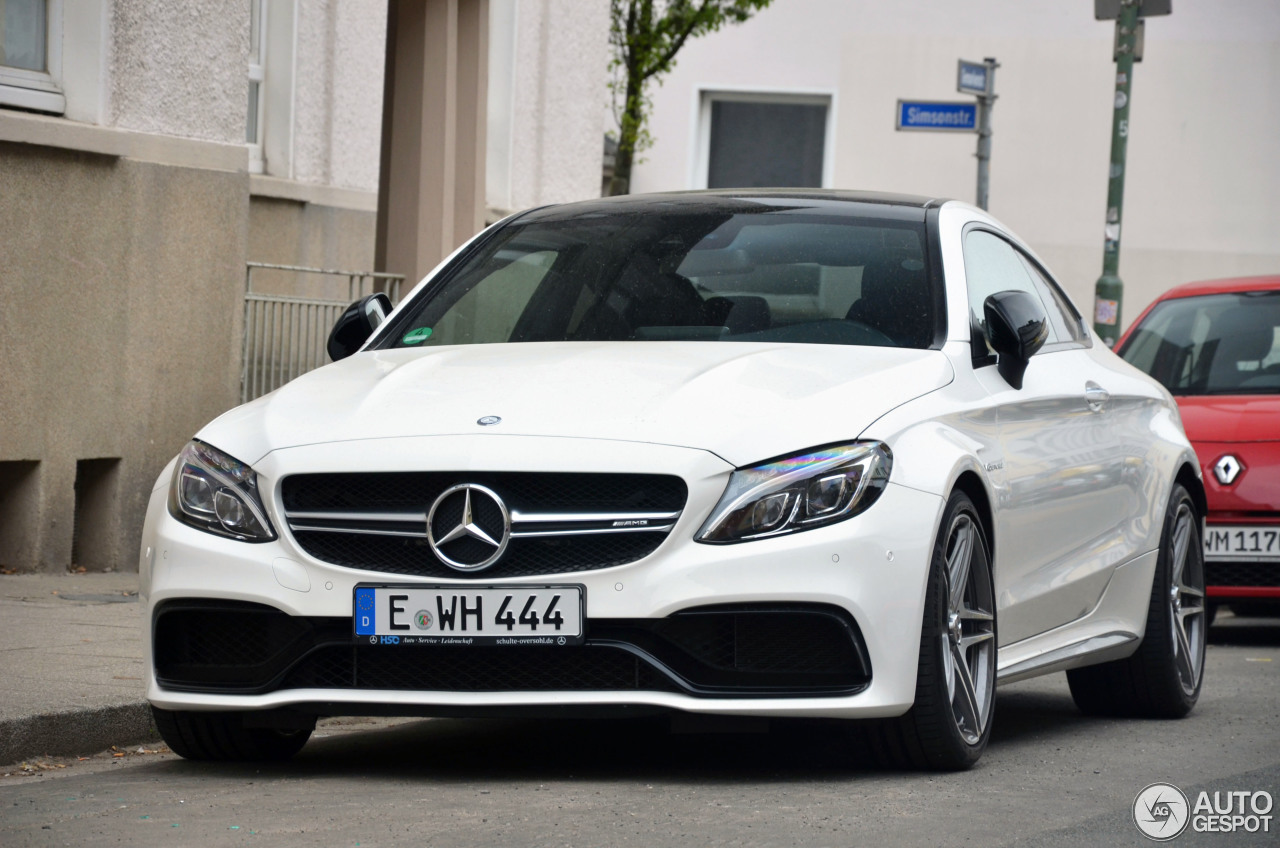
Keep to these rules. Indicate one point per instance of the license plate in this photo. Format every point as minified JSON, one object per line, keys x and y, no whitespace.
{"x":1249,"y":542}
{"x":453,"y":615}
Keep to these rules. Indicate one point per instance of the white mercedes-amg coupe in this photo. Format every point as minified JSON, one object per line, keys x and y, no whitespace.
{"x":755,"y":453}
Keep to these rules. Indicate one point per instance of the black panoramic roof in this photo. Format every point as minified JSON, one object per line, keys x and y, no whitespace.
{"x":832,"y":201}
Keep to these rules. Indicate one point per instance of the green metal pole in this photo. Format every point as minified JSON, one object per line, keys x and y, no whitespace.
{"x":1109,"y":291}
{"x":985,"y":103}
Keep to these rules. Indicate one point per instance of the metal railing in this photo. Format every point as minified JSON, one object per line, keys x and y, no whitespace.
{"x":285,"y":334}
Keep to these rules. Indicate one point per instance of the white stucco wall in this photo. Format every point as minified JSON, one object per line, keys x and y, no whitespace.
{"x":338,"y":107}
{"x":179,"y":67}
{"x":1203,"y":183}
{"x":547,"y":75}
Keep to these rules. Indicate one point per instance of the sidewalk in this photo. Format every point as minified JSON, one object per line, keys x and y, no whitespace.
{"x":72,"y":664}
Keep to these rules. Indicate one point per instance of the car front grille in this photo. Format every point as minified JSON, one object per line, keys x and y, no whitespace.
{"x":523,"y":558}
{"x":559,"y":522}
{"x":1241,"y":573}
{"x":789,"y":650}
{"x":517,"y":669}
{"x":552,"y":492}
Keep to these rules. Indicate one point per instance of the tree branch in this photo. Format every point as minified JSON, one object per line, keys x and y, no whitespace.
{"x":664,"y":61}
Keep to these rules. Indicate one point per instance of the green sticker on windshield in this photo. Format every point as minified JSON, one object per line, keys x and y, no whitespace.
{"x":417,"y":336}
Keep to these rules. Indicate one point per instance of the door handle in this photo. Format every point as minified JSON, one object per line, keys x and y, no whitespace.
{"x":1096,"y":396}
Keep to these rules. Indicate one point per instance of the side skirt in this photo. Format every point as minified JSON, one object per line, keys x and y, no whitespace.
{"x":1110,"y":646}
{"x":1111,"y":630}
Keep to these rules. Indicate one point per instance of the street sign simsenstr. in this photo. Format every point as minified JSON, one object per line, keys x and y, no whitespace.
{"x":978,"y":79}
{"x":937,"y":115}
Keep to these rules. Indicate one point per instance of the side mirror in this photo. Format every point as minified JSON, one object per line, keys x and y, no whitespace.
{"x":1016,"y":327}
{"x":356,"y":325}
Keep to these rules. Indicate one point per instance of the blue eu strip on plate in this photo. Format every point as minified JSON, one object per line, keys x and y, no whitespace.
{"x":364,"y":612}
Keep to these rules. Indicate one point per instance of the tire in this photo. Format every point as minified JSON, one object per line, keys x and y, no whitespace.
{"x":223,"y":736}
{"x":1162,"y":679}
{"x":948,"y":726}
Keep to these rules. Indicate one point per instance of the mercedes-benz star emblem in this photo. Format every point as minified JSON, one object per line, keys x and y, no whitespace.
{"x":472,"y":524}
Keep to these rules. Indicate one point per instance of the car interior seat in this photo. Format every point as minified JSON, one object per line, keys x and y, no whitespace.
{"x":1245,"y":335}
{"x":739,"y":314}
{"x":897,"y":300}
{"x":642,"y":296}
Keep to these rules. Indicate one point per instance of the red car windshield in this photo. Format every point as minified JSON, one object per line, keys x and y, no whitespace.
{"x":1217,"y":344}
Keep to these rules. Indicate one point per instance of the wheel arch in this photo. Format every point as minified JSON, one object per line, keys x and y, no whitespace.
{"x":972,"y":485}
{"x":941,"y":458}
{"x":1189,"y":478}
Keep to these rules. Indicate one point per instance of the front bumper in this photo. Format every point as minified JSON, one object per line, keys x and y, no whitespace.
{"x":866,"y":575}
{"x":1251,"y":501}
{"x":1245,"y":577}
{"x":753,"y":650}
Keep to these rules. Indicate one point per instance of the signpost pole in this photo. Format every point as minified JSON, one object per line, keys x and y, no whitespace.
{"x":985,"y":102}
{"x":1109,"y":290}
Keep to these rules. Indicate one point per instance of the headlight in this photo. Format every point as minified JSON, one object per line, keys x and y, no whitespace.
{"x":219,"y":494}
{"x":799,"y":492}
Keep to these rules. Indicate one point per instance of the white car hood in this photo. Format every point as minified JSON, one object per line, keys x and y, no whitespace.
{"x":744,"y":402}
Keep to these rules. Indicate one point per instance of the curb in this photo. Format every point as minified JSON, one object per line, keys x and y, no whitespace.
{"x":75,"y":732}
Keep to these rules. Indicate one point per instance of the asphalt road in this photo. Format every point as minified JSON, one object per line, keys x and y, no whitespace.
{"x":1050,"y":777}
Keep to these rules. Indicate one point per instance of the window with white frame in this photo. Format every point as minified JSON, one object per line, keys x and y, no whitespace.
{"x":270,"y":101}
{"x":257,"y":102}
{"x":31,"y":55}
{"x":755,"y":140}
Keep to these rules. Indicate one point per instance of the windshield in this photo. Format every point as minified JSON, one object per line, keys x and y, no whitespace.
{"x":767,"y":274}
{"x":1221,"y":344}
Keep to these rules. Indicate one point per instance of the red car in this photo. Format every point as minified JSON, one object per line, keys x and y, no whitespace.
{"x":1216,"y":346}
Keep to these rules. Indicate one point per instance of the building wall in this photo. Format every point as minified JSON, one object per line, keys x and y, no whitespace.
{"x":122,"y":321}
{"x":315,"y":204}
{"x":178,"y":67}
{"x":313,"y":235}
{"x":338,"y":107}
{"x":128,"y":220}
{"x":1202,"y":195}
{"x":124,"y":233}
{"x":547,"y":90}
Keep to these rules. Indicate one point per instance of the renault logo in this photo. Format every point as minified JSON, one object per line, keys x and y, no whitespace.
{"x":468,"y":527}
{"x":1227,"y":469}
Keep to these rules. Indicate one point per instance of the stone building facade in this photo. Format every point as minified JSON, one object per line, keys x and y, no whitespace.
{"x":149,"y":149}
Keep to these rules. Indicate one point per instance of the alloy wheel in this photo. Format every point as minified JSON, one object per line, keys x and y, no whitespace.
{"x":968,"y":638}
{"x":1186,"y":602}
